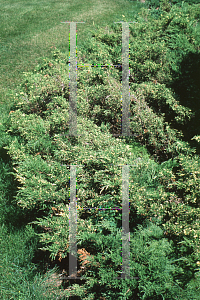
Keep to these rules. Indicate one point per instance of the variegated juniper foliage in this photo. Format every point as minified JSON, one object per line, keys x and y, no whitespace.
{"x":164,"y":183}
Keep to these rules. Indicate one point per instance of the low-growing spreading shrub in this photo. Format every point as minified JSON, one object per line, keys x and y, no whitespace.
{"x":167,"y":3}
{"x":163,"y":189}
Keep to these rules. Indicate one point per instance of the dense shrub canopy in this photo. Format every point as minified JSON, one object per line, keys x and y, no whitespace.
{"x":164,"y":181}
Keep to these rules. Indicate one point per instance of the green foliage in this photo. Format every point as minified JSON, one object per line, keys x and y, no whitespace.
{"x":19,"y":277}
{"x":157,"y":48}
{"x":167,"y":4}
{"x":164,"y":191}
{"x":41,"y":151}
{"x":152,"y":266}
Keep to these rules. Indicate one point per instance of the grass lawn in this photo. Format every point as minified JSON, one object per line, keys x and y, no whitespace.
{"x":29,"y":30}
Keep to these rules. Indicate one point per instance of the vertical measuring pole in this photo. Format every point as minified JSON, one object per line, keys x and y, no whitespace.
{"x":125,"y":81}
{"x":125,"y":274}
{"x":72,"y":224}
{"x":72,"y":80}
{"x":72,"y":132}
{"x":125,"y":223}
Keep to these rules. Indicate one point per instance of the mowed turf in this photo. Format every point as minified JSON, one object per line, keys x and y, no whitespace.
{"x":30,"y":29}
